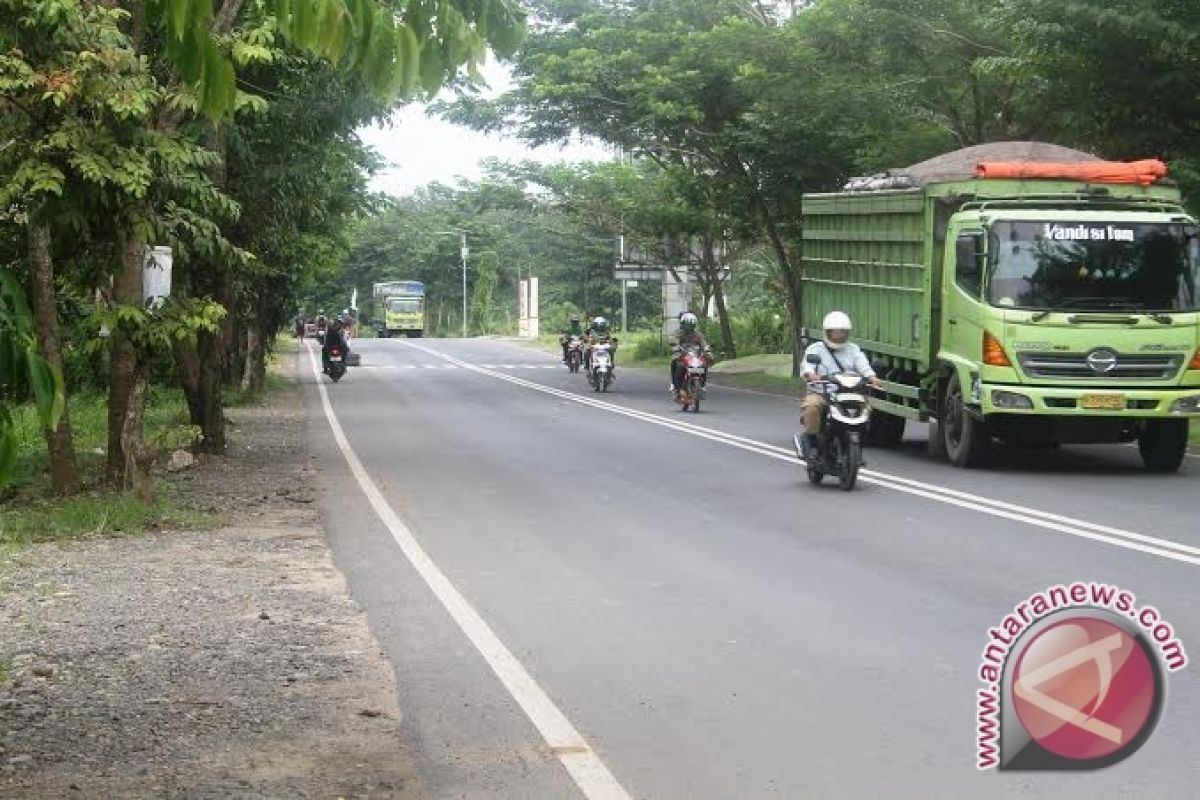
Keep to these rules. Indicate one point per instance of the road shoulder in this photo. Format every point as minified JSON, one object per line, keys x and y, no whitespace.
{"x":224,"y":663}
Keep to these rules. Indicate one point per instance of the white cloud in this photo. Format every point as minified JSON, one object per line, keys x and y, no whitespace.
{"x":419,"y":149}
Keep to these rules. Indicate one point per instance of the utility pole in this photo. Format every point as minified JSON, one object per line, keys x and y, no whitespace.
{"x":464,"y":252}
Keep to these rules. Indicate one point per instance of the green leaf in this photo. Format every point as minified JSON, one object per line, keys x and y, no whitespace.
{"x":304,"y":29}
{"x":432,"y":68}
{"x":8,"y":447}
{"x":329,"y":28}
{"x":48,"y":391}
{"x":283,"y":16}
{"x":363,"y":13}
{"x":408,"y":61}
{"x":180,"y":12}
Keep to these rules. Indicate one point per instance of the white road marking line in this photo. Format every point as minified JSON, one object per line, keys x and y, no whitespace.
{"x":1083,"y":529}
{"x":430,"y":366}
{"x":585,"y":767}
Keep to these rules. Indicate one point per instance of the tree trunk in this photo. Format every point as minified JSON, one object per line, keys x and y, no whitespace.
{"x":136,"y":475}
{"x":64,"y":473}
{"x":254,"y":361}
{"x":718,"y":292}
{"x":213,"y":349}
{"x":187,"y":361}
{"x":127,"y":290}
{"x":791,"y":281}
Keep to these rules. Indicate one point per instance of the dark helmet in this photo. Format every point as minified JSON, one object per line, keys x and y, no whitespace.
{"x":574,"y":319}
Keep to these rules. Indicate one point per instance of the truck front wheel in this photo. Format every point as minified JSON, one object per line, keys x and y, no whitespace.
{"x":967,"y":440}
{"x":1163,"y":444}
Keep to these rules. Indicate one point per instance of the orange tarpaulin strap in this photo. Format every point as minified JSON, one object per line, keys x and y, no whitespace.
{"x":1142,"y":172}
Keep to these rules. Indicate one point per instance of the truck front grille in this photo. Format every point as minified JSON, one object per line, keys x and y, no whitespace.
{"x":1075,"y":365}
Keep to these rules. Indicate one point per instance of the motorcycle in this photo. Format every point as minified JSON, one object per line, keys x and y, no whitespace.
{"x":843,"y":422}
{"x":695,"y":378}
{"x":574,"y":353}
{"x":600,"y":368}
{"x":337,"y":363}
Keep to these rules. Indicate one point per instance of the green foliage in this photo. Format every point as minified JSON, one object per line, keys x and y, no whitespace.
{"x":23,"y":373}
{"x":393,"y":48}
{"x":651,"y":348}
{"x":756,"y":331}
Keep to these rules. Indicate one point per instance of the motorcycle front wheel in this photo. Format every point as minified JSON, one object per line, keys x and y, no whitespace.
{"x":849,"y":456}
{"x":694,"y":391}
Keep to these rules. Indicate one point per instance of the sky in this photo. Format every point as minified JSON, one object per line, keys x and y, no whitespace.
{"x":419,"y":149}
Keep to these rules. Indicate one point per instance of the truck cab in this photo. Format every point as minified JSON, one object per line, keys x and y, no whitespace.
{"x":1068,"y":322}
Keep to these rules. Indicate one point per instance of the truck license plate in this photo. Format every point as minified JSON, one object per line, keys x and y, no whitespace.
{"x":1113,"y":402}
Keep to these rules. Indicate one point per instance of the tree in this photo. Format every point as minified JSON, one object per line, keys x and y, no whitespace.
{"x":688,"y":86}
{"x":1117,"y":77}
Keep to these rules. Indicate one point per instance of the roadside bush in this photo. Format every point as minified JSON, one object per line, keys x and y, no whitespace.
{"x":754,"y":333}
{"x":650,"y":348}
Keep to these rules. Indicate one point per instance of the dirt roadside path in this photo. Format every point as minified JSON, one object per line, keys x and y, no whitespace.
{"x":226,"y":663}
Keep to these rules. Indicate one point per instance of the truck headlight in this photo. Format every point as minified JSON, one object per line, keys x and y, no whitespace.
{"x":1003,"y":399}
{"x":1186,"y":405}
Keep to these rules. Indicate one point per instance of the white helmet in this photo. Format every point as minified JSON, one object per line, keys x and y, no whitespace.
{"x":836,"y":321}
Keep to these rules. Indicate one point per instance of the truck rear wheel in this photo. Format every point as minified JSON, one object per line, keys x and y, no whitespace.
{"x":1163,"y":444}
{"x":967,"y":440}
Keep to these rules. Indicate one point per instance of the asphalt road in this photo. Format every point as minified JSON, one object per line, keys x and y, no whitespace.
{"x":708,"y":624}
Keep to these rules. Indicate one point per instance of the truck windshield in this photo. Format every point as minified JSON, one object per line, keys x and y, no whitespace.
{"x":404,"y":305}
{"x":1093,"y":266}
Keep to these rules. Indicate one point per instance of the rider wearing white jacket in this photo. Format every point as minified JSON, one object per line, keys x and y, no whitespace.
{"x":837,"y":354}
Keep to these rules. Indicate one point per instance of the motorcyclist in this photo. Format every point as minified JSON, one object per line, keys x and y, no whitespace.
{"x":600,"y":332}
{"x":335,"y":335}
{"x":574,"y":328}
{"x":837,"y":354}
{"x":322,"y":324}
{"x":689,"y":335}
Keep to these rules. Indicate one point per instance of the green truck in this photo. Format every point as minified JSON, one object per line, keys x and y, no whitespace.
{"x":1029,"y":311}
{"x":398,"y":309}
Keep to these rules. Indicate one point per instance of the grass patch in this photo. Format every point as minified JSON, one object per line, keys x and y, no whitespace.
{"x":274,"y":382}
{"x":759,"y":381}
{"x":776,"y":365}
{"x":166,"y":413}
{"x":1195,"y":432}
{"x":94,"y":514}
